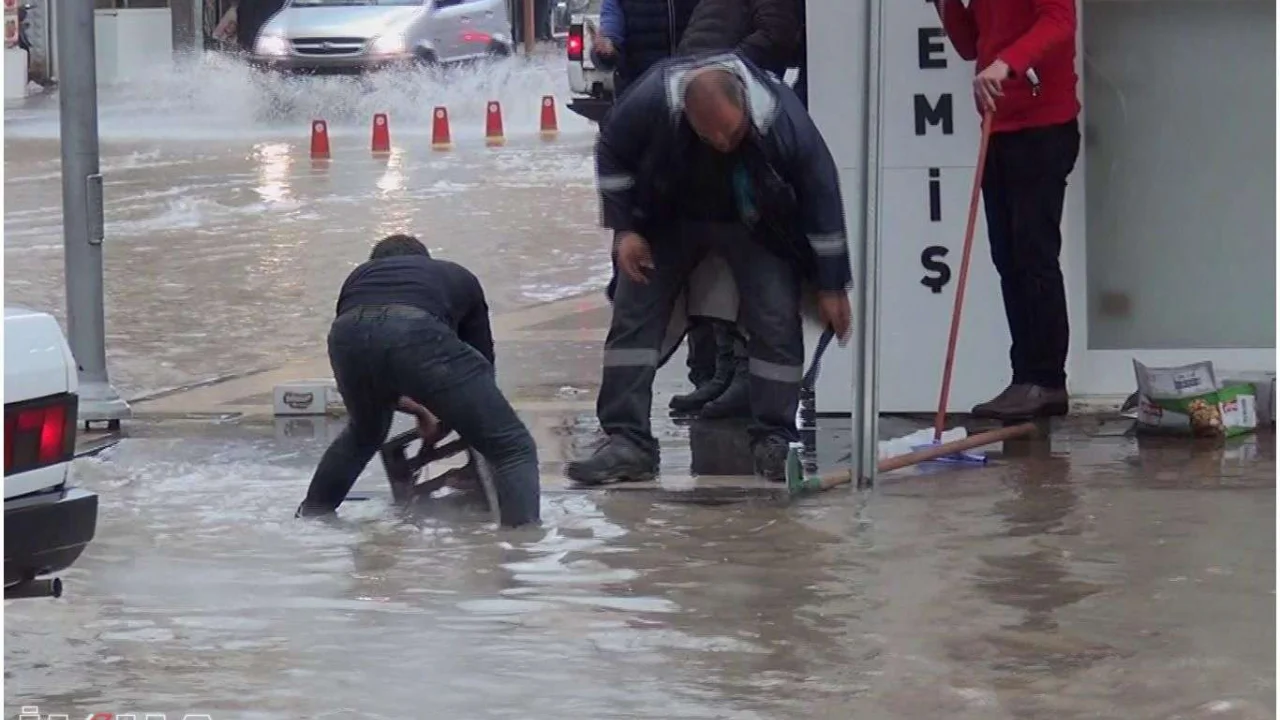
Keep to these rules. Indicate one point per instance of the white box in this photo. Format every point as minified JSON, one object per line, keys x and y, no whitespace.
{"x":306,"y":397}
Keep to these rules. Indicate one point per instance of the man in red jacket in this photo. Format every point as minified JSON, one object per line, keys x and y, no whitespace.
{"x":1025,"y":52}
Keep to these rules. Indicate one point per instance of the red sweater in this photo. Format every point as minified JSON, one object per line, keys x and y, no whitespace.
{"x":1039,"y":34}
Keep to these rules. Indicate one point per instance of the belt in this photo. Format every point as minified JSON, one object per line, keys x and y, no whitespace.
{"x":407,"y":312}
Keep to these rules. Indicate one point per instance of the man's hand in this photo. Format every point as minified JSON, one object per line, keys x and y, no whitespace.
{"x":833,"y":308}
{"x":601,"y":44}
{"x":634,"y":257}
{"x":428,"y":423}
{"x":987,"y":84}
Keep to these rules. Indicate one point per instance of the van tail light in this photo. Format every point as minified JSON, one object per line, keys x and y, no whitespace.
{"x":574,"y":44}
{"x":39,"y":433}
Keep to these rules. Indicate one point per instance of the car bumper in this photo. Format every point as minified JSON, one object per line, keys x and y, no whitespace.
{"x":593,"y":109}
{"x":46,"y":532}
{"x":345,"y":65}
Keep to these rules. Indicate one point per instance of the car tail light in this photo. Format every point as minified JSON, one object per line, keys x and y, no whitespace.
{"x":476,"y":37}
{"x":39,"y":433}
{"x":574,"y":44}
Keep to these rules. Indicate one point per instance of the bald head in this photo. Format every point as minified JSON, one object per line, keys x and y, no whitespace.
{"x":715,"y":104}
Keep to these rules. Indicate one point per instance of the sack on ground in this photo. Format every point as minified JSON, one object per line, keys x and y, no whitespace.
{"x":1189,"y":400}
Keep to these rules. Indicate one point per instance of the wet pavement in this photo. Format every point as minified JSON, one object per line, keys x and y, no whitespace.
{"x":1087,"y":575}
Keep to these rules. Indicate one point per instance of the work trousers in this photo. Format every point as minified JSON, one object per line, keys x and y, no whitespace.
{"x":1023,"y":188}
{"x":380,"y":353}
{"x":769,"y":288}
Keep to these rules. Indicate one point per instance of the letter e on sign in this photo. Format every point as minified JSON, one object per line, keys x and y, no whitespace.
{"x":930,"y":48}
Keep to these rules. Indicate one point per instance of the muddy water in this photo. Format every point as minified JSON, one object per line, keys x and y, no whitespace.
{"x":1109,"y":580}
{"x":1093,"y":578}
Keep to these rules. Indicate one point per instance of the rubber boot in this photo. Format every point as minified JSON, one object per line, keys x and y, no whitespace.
{"x":719,"y":382}
{"x":735,"y":401}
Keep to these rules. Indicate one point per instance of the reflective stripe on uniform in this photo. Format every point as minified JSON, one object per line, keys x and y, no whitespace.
{"x":616,"y":183}
{"x":828,"y":244}
{"x":630,"y":357}
{"x":773,"y":371}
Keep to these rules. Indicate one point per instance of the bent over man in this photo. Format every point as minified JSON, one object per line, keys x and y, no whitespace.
{"x":704,"y":155}
{"x":413,"y":332}
{"x":1026,"y":52}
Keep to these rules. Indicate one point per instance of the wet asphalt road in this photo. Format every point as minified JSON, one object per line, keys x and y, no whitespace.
{"x":1097,"y":578}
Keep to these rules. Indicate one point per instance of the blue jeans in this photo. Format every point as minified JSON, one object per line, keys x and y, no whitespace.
{"x":379,"y":353}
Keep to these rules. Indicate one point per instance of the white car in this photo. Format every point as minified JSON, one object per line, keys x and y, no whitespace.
{"x":592,"y":87}
{"x":47,"y":522}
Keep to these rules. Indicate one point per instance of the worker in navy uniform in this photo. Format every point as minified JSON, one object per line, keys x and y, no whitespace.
{"x":766,"y":32}
{"x":712,"y":154}
{"x":412,"y":332}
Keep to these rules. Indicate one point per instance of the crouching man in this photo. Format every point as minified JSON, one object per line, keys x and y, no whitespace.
{"x":413,"y":332}
{"x":703,"y":155}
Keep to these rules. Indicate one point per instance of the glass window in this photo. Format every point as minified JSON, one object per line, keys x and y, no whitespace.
{"x":1179,"y":190}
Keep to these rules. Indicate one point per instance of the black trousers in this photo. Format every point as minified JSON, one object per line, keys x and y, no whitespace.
{"x":380,"y":353}
{"x":769,"y":289}
{"x":1023,"y":188}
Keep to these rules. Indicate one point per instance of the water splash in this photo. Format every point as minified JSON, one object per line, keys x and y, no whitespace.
{"x":211,"y":95}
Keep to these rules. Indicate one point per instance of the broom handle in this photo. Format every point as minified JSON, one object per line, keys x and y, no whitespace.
{"x":940,"y":419}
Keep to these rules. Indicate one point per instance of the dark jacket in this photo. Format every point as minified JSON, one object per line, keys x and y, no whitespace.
{"x":642,"y":155}
{"x":766,"y":32}
{"x":251,"y":15}
{"x":653,"y":30}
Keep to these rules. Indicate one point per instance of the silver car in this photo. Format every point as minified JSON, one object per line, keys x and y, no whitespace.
{"x":353,"y":36}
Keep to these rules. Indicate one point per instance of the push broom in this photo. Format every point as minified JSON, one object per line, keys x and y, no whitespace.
{"x":959,"y":451}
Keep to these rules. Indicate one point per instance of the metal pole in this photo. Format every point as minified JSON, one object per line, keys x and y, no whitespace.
{"x":867,"y":384}
{"x":530,"y":27}
{"x":82,"y":219}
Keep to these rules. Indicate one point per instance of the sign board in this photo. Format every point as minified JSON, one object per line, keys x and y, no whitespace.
{"x":10,"y":30}
{"x":929,"y":129}
{"x":10,"y":6}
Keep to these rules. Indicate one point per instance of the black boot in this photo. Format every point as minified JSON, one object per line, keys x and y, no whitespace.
{"x":618,"y":460}
{"x":719,"y":382}
{"x":770,"y":458}
{"x":735,"y":401}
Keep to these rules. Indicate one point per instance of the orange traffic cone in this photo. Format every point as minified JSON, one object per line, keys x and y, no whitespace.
{"x":440,"y":139}
{"x":493,"y":125}
{"x":320,"y":140}
{"x":381,"y":135}
{"x":548,"y":123}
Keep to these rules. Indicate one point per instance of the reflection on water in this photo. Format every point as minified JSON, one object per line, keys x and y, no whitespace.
{"x":1051,"y":586}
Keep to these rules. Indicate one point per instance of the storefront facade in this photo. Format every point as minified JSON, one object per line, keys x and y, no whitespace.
{"x":1169,"y":228}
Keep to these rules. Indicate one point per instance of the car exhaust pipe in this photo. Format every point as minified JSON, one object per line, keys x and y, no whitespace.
{"x":44,"y":588}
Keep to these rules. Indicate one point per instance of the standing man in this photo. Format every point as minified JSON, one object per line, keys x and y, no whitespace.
{"x":1025,"y":52}
{"x":636,"y":34}
{"x":412,"y":332}
{"x":766,"y":32}
{"x":711,"y":154}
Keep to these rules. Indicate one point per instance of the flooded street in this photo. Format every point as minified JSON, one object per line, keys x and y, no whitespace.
{"x":1091,"y":576}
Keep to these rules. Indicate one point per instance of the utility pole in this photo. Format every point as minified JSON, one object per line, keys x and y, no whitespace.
{"x":530,"y":27}
{"x":82,"y":217}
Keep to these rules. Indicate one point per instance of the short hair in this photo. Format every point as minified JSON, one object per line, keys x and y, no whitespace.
{"x":714,"y":81}
{"x":393,"y":245}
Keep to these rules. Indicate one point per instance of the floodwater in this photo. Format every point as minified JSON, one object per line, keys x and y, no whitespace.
{"x":1088,"y":577}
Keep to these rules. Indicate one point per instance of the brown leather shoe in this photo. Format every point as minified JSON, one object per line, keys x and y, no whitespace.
{"x":988,"y":410}
{"x":1023,"y":402}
